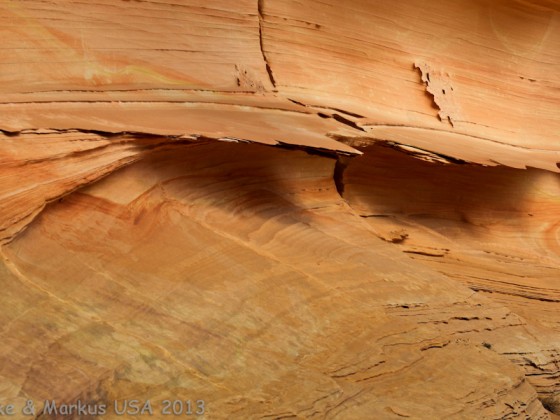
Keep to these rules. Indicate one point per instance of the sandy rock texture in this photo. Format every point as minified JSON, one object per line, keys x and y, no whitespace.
{"x":281,"y":209}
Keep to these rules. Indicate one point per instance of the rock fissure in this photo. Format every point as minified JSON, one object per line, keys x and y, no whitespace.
{"x":260,"y":7}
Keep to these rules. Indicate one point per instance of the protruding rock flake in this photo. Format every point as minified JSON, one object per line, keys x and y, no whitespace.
{"x":439,"y":86}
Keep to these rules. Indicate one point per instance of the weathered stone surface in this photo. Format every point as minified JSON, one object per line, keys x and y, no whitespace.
{"x":285,"y":209}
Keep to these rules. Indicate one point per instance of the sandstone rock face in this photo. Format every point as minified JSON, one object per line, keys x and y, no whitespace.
{"x":281,"y":209}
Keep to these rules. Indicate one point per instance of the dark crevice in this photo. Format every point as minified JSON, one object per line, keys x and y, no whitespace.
{"x":270,"y":75}
{"x":424,"y":253}
{"x":338,"y":175}
{"x":10,"y":133}
{"x":261,"y":20}
{"x":101,"y":133}
{"x":348,"y":122}
{"x":316,"y":151}
{"x":423,"y":152}
{"x":296,"y":102}
{"x":352,"y":114}
{"x":342,"y":111}
{"x":325,"y":152}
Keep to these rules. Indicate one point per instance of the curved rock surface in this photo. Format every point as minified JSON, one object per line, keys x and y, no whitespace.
{"x":284,"y":209}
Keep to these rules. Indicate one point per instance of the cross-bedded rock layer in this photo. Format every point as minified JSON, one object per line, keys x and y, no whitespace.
{"x":286,"y":209}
